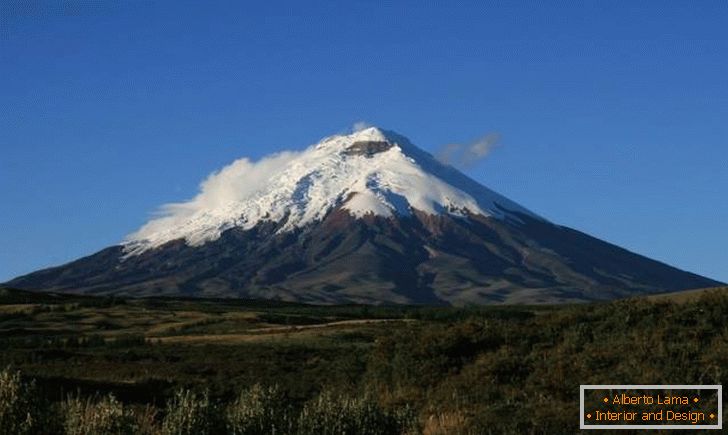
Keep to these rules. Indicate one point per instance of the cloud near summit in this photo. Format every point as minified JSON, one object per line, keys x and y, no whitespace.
{"x":235,"y":182}
{"x":466,"y":155}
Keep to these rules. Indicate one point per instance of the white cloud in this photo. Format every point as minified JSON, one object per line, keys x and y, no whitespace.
{"x":234,"y":183}
{"x":468,"y":154}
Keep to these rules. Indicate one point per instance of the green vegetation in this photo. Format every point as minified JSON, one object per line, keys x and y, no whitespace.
{"x":97,"y":365}
{"x":88,"y":417}
{"x":191,"y":414}
{"x":258,"y":410}
{"x":17,"y":408}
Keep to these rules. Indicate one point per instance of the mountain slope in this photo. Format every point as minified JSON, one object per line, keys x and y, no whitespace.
{"x":366,"y":217}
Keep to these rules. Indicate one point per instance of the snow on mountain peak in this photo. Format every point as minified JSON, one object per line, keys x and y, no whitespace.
{"x":368,"y":172}
{"x":369,"y":133}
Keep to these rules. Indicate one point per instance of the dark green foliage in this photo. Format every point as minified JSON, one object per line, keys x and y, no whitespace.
{"x":23,"y":410}
{"x":259,"y":410}
{"x":107,"y":416}
{"x":477,"y":370}
{"x":333,"y":414}
{"x":17,"y":415}
{"x":530,"y":369}
{"x":189,"y":413}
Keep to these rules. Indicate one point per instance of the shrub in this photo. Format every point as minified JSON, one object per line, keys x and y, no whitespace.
{"x":406,"y":420}
{"x":331,"y":414}
{"x":105,"y":417}
{"x":18,"y":405}
{"x":145,"y":421}
{"x":191,"y":414}
{"x":259,"y":410}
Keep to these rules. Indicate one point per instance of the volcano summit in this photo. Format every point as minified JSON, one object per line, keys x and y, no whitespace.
{"x":360,"y":218}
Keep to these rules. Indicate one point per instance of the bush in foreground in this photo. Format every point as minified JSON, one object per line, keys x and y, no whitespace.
{"x":19,"y":414}
{"x":191,"y":414}
{"x":259,"y":410}
{"x":331,"y":414}
{"x":107,"y":416}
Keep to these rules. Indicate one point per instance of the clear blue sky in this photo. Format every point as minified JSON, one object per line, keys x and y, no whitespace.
{"x":613,"y":114}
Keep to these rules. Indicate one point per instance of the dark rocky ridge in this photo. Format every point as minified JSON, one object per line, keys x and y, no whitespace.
{"x":367,"y":148}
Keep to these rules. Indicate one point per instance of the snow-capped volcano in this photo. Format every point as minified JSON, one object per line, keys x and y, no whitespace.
{"x":368,"y":172}
{"x":361,"y":218}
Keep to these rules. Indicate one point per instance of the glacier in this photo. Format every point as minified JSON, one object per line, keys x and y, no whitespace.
{"x":368,"y":172}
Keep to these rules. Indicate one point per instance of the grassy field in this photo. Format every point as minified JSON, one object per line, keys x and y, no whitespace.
{"x":461,"y":370}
